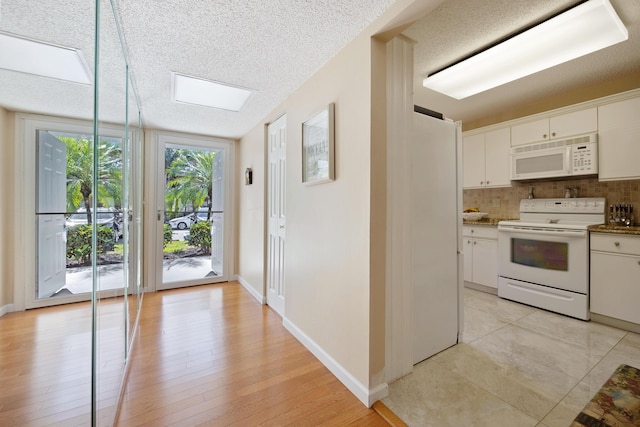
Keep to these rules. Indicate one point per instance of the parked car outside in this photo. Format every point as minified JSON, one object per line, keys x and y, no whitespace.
{"x":108,"y":217}
{"x":184,"y":222}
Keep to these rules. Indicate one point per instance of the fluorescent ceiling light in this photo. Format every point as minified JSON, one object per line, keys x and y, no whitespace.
{"x":192,"y":90}
{"x":581,"y":30}
{"x":43,"y":59}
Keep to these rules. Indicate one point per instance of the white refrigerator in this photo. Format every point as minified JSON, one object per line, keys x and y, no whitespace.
{"x":437,"y":234}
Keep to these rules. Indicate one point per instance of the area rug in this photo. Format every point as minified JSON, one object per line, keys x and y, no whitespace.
{"x":617,"y":403}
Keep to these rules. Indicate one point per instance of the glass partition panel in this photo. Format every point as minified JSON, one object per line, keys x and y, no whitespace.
{"x":79,"y":205}
{"x":45,"y":368}
{"x":111,"y":192}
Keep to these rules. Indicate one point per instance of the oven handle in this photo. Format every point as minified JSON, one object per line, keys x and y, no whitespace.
{"x":544,"y":232}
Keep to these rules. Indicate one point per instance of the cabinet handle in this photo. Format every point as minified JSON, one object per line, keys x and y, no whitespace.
{"x":475,"y":243}
{"x":487,"y":182}
{"x":544,"y":136}
{"x":617,"y":243}
{"x":638,"y":262}
{"x":553,"y":134}
{"x":481,"y":182}
{"x":473,"y":231}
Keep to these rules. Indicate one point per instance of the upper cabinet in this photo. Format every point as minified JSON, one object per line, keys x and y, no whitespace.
{"x":619,"y":140}
{"x":616,"y":119}
{"x":561,"y":126}
{"x":485,"y":159}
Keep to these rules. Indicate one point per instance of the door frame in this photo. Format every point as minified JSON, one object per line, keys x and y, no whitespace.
{"x":24,"y":238}
{"x":159,"y":140}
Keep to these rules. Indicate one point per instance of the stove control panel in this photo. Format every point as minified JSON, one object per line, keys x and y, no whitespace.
{"x":575,"y":205}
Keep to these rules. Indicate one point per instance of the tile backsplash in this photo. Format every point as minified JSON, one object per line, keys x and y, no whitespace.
{"x":505,"y":202}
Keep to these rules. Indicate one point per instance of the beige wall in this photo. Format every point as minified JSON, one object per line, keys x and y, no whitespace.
{"x":251,"y":210}
{"x":335,"y":231}
{"x":327,"y":253}
{"x":7,"y":173}
{"x":621,"y":83}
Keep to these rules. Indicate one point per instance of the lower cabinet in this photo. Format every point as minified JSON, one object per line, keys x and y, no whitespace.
{"x":480,"y":246}
{"x":615,"y":276}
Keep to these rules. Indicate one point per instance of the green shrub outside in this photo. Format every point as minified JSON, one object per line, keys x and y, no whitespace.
{"x":167,"y":235}
{"x":79,"y":242}
{"x":200,"y":235}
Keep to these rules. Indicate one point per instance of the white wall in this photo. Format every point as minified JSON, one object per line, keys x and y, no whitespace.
{"x":7,"y":173}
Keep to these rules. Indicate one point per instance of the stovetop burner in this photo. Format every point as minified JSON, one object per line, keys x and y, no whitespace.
{"x":574,"y":213}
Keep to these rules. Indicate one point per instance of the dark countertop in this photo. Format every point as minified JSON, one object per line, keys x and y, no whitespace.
{"x":615,"y":229}
{"x":485,"y":221}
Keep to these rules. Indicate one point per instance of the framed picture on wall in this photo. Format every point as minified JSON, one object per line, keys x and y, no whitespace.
{"x":318,"y":136}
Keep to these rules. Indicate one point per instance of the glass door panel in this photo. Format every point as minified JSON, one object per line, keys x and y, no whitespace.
{"x":65,"y":215}
{"x":193,"y":232}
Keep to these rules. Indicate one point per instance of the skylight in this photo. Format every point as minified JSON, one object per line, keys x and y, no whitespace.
{"x":43,"y":59}
{"x":193,"y":90}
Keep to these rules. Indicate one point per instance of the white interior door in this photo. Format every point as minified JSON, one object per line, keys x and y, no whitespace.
{"x":276,"y":205}
{"x":50,"y":208}
{"x":435,"y":234}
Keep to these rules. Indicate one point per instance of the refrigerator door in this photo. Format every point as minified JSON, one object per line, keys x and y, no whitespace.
{"x":436,"y":235}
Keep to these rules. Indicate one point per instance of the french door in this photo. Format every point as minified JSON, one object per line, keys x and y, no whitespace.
{"x":57,"y":243}
{"x":194,"y":220}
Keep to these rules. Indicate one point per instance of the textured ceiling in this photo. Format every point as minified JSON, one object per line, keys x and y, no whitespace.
{"x":459,"y":27}
{"x":272,"y":47}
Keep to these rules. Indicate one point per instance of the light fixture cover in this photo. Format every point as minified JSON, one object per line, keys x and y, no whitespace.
{"x":584,"y":29}
{"x":193,"y":90}
{"x":43,"y":59}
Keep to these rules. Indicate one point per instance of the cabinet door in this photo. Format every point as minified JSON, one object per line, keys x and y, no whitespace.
{"x":530,"y":132}
{"x":619,"y":140}
{"x":576,"y":123}
{"x":496,"y":148}
{"x":615,"y":290}
{"x":473,"y":161}
{"x":485,"y":262}
{"x":467,"y":244}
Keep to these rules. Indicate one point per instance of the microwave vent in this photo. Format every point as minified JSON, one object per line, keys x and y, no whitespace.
{"x":554,"y":144}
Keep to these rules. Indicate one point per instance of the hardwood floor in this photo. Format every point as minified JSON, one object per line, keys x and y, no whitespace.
{"x":45,"y":364}
{"x":208,"y":355}
{"x":212,"y":355}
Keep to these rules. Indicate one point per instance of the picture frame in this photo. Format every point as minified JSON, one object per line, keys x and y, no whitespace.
{"x":318,"y":143}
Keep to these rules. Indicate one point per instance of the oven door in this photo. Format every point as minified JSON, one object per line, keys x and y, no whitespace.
{"x":546,"y":256}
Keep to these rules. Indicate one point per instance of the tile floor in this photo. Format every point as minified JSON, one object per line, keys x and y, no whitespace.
{"x":517,"y":366}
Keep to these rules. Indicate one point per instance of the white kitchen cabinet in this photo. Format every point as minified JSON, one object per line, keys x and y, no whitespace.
{"x":615,"y":276}
{"x":561,"y":126}
{"x":619,"y":140}
{"x":575,"y":123}
{"x":527,"y":133}
{"x":480,"y":246}
{"x":485,"y":159}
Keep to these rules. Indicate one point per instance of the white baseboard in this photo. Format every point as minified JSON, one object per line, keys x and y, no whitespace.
{"x":365,"y":395}
{"x":261,"y":299}
{"x":6,"y":309}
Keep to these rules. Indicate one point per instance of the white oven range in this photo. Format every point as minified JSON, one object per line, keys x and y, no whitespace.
{"x":543,"y":258}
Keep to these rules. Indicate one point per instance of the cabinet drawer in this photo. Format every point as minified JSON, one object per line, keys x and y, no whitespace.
{"x":615,"y":243}
{"x":481,"y":232}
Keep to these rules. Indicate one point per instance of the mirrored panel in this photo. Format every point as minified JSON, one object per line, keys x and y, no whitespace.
{"x":78,"y":204}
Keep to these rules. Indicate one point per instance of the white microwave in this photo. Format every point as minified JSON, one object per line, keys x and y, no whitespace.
{"x":564,"y":157}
